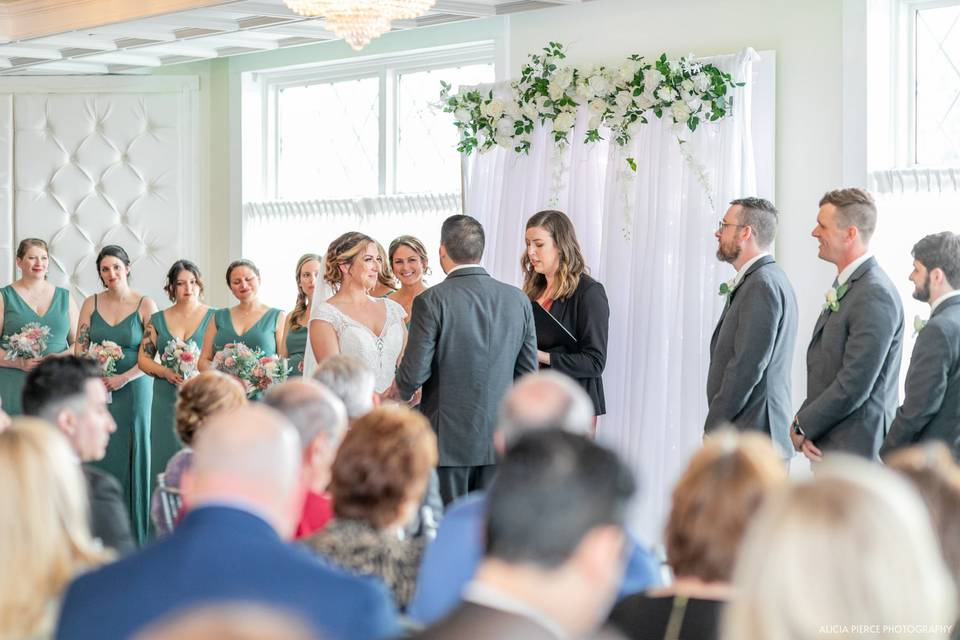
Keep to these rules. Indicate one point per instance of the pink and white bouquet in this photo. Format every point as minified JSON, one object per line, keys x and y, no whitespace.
{"x":182,"y":357}
{"x":30,"y":342}
{"x":106,"y":354}
{"x":255,"y":370}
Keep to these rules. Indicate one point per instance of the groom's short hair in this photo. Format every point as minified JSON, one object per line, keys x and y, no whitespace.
{"x":940,"y":251}
{"x":761,"y":216}
{"x":462,"y":237}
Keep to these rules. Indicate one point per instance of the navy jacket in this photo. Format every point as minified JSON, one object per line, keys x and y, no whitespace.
{"x":222,"y":554}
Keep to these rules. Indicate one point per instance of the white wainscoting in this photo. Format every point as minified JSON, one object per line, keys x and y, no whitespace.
{"x":90,"y":161}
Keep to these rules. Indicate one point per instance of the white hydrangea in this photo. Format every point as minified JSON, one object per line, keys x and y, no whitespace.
{"x":701,"y":82}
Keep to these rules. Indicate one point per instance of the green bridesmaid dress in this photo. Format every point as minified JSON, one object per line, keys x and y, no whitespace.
{"x":296,"y":343}
{"x":16,"y":314}
{"x":128,"y":454}
{"x":163,"y":438}
{"x":262,"y":335}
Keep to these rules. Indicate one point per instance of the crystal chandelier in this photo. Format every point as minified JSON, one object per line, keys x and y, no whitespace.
{"x":360,"y":21}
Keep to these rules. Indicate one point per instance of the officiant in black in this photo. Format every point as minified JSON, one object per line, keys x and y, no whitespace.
{"x":572,"y":334}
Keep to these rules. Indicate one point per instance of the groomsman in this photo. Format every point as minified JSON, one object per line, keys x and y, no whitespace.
{"x":751,"y":350}
{"x":931,"y":408}
{"x":853,"y":361}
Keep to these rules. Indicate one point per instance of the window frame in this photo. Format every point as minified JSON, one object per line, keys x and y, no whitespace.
{"x":388,"y":69}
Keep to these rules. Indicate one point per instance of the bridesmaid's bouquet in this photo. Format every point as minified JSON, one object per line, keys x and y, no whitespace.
{"x":30,"y":342}
{"x":255,"y":370}
{"x":181,"y":357}
{"x":106,"y":354}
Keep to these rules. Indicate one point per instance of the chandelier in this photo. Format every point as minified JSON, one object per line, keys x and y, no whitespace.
{"x":360,"y":21}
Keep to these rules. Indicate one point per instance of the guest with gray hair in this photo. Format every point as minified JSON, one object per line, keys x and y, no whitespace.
{"x":245,"y":496}
{"x":351,"y":381}
{"x":751,"y":350}
{"x":540,"y":401}
{"x":321,"y":420}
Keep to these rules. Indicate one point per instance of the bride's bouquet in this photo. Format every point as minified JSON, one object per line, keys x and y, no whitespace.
{"x":181,"y":357}
{"x":106,"y":354}
{"x":30,"y":342}
{"x":257,"y":372}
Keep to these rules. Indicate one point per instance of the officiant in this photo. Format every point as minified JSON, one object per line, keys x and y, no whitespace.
{"x":555,"y":278}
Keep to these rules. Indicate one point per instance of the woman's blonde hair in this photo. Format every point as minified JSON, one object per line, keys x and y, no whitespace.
{"x":715,"y":500}
{"x":572,"y":264}
{"x":385,"y":277}
{"x":45,"y":531}
{"x":296,"y":317}
{"x":27,"y":243}
{"x":202,"y":396}
{"x":850,"y":553}
{"x":343,"y":250}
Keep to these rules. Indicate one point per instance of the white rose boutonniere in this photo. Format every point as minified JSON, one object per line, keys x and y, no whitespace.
{"x":918,"y":325}
{"x":833,"y":296}
{"x":726,"y":288}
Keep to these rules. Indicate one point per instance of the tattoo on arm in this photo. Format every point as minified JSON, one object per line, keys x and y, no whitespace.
{"x":83,"y":336}
{"x":148,"y":342}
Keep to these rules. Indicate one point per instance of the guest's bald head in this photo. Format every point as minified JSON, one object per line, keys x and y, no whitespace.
{"x":249,"y":456}
{"x":313,"y":409}
{"x":544,"y":400}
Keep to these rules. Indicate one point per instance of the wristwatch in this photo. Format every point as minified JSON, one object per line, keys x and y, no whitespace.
{"x":796,"y":427}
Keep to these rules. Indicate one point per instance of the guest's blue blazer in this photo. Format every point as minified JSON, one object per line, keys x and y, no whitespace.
{"x":222,"y":554}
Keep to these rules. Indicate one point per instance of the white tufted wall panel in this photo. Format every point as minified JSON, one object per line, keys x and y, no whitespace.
{"x":86,"y":162}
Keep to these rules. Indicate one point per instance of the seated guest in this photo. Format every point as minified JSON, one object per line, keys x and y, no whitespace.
{"x":245,"y":498}
{"x":353,"y":382}
{"x":379,"y":477}
{"x":713,"y":502}
{"x":555,"y":543}
{"x":44,"y":527}
{"x":932,"y":471}
{"x":321,"y":420}
{"x":544,"y":400}
{"x":199,"y":398}
{"x":68,"y":393}
{"x":848,"y":554}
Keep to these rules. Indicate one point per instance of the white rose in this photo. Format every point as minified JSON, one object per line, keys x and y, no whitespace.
{"x":687,"y":85}
{"x":628,"y":70}
{"x":666,"y":94}
{"x":652,"y":79}
{"x":584,"y":92}
{"x":564,"y":121}
{"x":680,"y":111}
{"x":645,"y":101}
{"x":831,"y":296}
{"x":555,"y":90}
{"x":505,"y":127}
{"x":624,"y":99}
{"x":512,"y":109}
{"x":701,"y":82}
{"x":462,"y":115}
{"x":598,"y":106}
{"x":599,"y":85}
{"x":504,"y":141}
{"x":594,"y":121}
{"x":530,"y":110}
{"x":563,"y":78}
{"x":541,"y":103}
{"x":493,"y":108}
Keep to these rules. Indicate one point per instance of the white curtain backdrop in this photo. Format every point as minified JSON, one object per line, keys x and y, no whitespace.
{"x":648,"y":236}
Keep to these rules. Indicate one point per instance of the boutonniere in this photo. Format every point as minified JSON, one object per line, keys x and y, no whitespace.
{"x":833,"y":296}
{"x":726,"y":288}
{"x":918,"y":325}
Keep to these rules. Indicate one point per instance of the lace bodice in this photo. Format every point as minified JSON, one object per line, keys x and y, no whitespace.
{"x":380,"y":353}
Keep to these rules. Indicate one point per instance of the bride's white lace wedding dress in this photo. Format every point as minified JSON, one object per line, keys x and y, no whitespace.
{"x":379,"y":352}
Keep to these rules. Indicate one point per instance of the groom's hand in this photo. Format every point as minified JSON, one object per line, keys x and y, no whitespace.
{"x":391,"y":392}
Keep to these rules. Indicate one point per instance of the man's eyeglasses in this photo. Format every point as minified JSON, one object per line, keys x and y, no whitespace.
{"x":721,"y":224}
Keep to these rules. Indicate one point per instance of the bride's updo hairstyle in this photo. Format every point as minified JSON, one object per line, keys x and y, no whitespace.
{"x":343,"y":250}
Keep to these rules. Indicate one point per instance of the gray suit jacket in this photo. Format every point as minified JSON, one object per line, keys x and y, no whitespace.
{"x":931,"y":408}
{"x":477,"y":622}
{"x":470,"y":337}
{"x":853,"y":366}
{"x":751,"y":352}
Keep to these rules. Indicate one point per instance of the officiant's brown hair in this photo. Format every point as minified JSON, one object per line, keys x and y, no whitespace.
{"x":572,"y":264}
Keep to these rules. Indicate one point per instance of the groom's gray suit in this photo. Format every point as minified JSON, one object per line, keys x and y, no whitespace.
{"x":470,"y":337}
{"x":853,"y":366}
{"x":748,"y":384}
{"x":931,"y":406}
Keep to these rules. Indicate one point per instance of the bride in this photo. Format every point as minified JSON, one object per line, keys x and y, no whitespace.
{"x":351,"y":322}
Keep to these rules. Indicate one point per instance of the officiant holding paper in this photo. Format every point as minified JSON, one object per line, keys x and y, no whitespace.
{"x":570,"y":307}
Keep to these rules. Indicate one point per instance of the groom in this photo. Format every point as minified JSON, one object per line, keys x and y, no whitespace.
{"x":470,"y":337}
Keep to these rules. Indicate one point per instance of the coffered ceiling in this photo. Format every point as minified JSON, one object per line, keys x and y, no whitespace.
{"x":117,"y":36}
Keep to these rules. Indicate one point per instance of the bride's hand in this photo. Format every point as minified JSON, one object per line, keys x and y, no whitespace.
{"x":415,"y":400}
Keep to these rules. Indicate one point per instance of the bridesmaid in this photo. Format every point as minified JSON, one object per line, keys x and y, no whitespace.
{"x":294,"y":343}
{"x":32,"y":299}
{"x":120,"y":314}
{"x":186,"y":320}
{"x":386,"y":283}
{"x":408,"y":258}
{"x":249,"y":321}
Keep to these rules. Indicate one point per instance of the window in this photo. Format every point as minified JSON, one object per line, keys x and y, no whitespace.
{"x":360,"y":145}
{"x":936,"y":31}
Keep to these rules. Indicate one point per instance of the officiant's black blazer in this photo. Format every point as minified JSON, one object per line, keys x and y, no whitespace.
{"x":586,"y":315}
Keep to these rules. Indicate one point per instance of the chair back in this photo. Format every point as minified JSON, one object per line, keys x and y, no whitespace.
{"x":170,"y":502}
